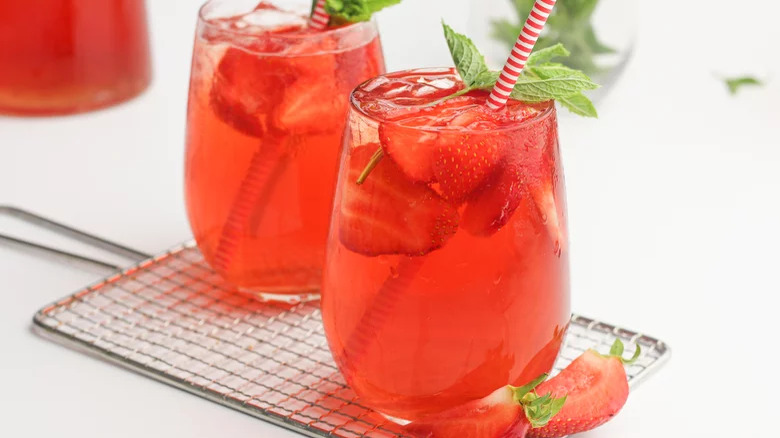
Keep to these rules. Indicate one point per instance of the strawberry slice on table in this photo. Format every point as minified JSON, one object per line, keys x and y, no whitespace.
{"x":507,"y":412}
{"x":388,"y":213}
{"x":596,"y":388}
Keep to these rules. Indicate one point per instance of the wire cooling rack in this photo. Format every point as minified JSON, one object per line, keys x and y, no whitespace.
{"x":171,"y":318}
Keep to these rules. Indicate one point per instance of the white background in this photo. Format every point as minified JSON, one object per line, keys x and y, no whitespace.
{"x":673,"y":205}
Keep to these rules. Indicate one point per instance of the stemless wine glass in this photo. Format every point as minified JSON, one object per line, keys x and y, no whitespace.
{"x":267,"y":105}
{"x":60,"y":57}
{"x":447,"y":262}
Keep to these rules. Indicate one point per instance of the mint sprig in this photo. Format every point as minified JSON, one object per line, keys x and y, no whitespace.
{"x":736,"y":83}
{"x":540,"y":81}
{"x":569,"y":24}
{"x":354,"y":11}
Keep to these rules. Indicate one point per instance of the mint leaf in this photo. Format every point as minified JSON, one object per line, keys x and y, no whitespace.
{"x":356,"y":10}
{"x":548,"y":53}
{"x":468,"y":60}
{"x":552,"y":70}
{"x":735,"y":84}
{"x":535,"y":89}
{"x":579,"y":104}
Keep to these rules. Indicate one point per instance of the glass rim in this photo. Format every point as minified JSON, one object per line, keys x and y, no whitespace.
{"x":537,"y":118}
{"x":338,"y":32}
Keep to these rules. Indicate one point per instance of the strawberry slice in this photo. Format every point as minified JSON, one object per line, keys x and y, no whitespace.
{"x":492,"y":416}
{"x":550,"y":213}
{"x":462,"y":165}
{"x":411,"y":149}
{"x":244,"y":91}
{"x":495,"y":205}
{"x":527,"y":171}
{"x":310,"y":107}
{"x":388,"y":214}
{"x":596,"y":387}
{"x":464,"y":161}
{"x":507,"y":411}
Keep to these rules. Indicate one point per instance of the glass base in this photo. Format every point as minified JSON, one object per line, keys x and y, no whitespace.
{"x":75,"y":100}
{"x":286,"y":298}
{"x":396,"y":420}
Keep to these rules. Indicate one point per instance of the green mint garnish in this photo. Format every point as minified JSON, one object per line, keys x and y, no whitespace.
{"x":469,"y":61}
{"x":540,"y":81}
{"x":735,"y":84}
{"x":354,"y":11}
{"x":569,"y":24}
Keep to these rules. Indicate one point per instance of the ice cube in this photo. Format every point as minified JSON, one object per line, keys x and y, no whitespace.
{"x":375,"y":83}
{"x":268,"y":20}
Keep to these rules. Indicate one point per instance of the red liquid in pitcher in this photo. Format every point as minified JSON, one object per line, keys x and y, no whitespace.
{"x":267,"y":108}
{"x":59,"y":56}
{"x":447,"y":268}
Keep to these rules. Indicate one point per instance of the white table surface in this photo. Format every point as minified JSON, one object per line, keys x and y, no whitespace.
{"x":673,"y":204}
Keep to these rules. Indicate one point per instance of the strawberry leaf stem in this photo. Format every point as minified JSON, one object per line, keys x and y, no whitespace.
{"x":539,"y":410}
{"x":617,"y":350}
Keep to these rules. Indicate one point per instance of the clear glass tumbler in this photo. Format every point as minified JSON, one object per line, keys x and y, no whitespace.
{"x":267,"y":105}
{"x":447,"y":262}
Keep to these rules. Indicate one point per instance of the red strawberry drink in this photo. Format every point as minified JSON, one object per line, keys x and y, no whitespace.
{"x":267,"y":107}
{"x":447,"y":264}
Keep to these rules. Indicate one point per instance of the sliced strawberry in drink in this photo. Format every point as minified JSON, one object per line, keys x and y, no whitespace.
{"x":596,"y":388}
{"x":492,"y":208}
{"x":551,"y":214}
{"x":410,"y":148}
{"x":418,"y":145}
{"x":506,"y":412}
{"x":527,"y":171}
{"x":309,"y":107}
{"x":244,"y":91}
{"x":463,"y":162}
{"x":388,"y":214}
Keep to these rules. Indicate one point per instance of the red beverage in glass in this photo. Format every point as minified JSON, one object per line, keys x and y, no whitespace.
{"x":447,"y":268}
{"x":64,"y":56}
{"x":267,"y":107}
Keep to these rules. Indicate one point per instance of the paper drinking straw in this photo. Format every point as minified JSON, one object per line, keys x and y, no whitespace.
{"x":261,"y":169}
{"x":520,"y":52}
{"x":381,"y":306}
{"x":319,"y":18}
{"x":257,"y":179}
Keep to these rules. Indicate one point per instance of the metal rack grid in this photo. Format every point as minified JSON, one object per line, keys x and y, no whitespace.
{"x":171,"y":318}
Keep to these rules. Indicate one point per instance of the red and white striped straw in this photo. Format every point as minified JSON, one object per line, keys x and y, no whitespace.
{"x":516,"y":62}
{"x":319,"y":18}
